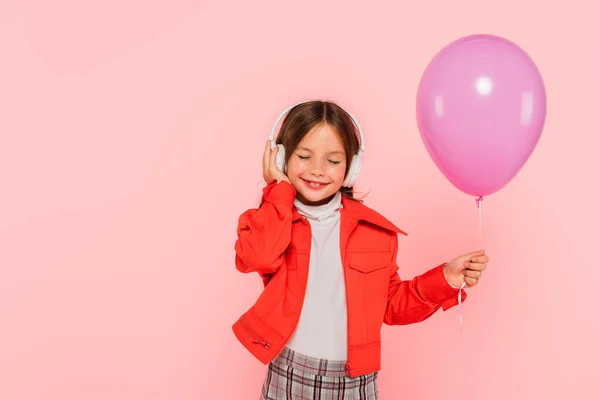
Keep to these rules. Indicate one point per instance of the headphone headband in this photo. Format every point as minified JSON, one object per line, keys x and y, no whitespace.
{"x":360,"y":133}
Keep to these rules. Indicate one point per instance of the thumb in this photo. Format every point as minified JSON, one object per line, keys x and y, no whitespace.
{"x":477,"y":253}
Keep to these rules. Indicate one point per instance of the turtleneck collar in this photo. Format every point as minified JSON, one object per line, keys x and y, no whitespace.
{"x":322,"y":212}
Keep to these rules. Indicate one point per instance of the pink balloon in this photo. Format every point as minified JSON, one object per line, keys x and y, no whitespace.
{"x":481,"y":108}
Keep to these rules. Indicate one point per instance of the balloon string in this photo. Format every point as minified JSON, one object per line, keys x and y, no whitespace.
{"x":478,"y":201}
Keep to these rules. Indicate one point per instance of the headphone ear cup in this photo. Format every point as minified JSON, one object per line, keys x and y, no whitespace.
{"x":353,"y":171}
{"x":280,"y":158}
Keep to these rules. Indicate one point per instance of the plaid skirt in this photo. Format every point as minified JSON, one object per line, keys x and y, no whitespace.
{"x":293,"y":376}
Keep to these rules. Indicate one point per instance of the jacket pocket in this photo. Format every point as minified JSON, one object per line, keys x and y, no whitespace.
{"x":368,"y":281}
{"x":258,"y":339}
{"x":367,"y":262}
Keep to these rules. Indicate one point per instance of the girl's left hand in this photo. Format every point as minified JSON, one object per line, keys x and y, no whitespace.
{"x":466,"y":269}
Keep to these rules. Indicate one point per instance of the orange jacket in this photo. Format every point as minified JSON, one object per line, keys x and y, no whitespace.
{"x":274,"y":240}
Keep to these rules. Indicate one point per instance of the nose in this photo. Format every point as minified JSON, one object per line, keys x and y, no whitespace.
{"x":317,"y":168}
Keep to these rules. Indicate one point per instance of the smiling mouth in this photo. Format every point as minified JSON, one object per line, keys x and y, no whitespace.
{"x":315,"y":185}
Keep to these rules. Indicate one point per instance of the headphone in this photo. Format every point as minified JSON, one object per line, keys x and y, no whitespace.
{"x":355,"y":164}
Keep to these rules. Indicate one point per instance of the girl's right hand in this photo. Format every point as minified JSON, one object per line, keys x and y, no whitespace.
{"x":270,"y":170}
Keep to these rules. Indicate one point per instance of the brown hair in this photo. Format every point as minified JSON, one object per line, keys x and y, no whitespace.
{"x":303,"y":117}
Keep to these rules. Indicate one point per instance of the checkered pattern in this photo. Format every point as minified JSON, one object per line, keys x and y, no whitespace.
{"x":293,"y":376}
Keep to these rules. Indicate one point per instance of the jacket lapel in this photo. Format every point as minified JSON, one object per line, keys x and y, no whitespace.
{"x":360,"y":212}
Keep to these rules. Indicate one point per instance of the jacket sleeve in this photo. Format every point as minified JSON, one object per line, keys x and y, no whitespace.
{"x":415,"y":300}
{"x":265,"y":233}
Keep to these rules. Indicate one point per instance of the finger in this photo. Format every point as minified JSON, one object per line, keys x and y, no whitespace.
{"x":476,"y":266}
{"x":481,"y":259}
{"x":471,"y":281}
{"x":273,"y":158}
{"x":472,"y":274}
{"x":266,"y":155}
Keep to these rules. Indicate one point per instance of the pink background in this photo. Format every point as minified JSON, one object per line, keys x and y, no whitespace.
{"x":130,"y":141}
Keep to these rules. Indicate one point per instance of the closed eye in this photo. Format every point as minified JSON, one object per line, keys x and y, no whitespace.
{"x":303,"y":157}
{"x":334,"y":162}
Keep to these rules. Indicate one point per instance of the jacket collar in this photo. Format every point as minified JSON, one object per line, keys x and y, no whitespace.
{"x":359,"y":212}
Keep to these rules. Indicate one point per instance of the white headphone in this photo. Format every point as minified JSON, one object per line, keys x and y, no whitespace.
{"x":355,"y":164}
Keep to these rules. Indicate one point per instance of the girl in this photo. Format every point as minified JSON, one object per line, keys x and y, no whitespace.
{"x":328,"y":264}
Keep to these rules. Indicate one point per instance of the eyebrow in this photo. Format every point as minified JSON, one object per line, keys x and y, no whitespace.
{"x":330,"y":153}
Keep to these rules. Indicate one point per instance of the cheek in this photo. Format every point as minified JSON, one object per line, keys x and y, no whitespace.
{"x":337,"y":173}
{"x":294,"y":167}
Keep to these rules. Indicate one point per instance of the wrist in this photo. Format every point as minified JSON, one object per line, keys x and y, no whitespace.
{"x":445,"y":269}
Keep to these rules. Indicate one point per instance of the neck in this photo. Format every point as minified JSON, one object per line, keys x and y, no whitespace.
{"x":306,"y":202}
{"x":320,"y":211}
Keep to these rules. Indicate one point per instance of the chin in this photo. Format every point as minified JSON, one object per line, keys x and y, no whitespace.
{"x":315,"y":198}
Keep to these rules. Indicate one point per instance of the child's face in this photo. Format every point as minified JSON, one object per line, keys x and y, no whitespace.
{"x":317,"y":167}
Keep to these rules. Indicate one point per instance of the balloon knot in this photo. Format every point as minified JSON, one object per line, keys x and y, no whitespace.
{"x":478,"y":201}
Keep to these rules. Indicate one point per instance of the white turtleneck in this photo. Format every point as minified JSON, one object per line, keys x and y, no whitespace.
{"x":322,"y":328}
